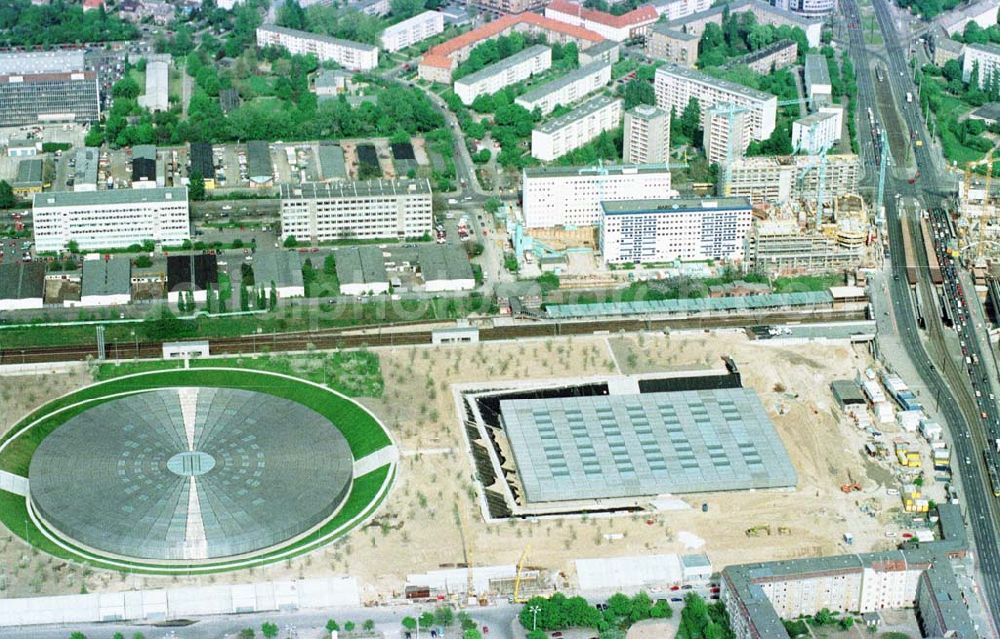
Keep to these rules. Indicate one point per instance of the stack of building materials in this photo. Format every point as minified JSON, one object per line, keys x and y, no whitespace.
{"x":906,"y":455}
{"x":913,"y":499}
{"x":941,"y":456}
{"x":899,"y":391}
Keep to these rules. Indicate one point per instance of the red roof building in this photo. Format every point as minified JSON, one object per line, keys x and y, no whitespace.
{"x":438,"y":62}
{"x":634,"y":24}
{"x":90,"y":5}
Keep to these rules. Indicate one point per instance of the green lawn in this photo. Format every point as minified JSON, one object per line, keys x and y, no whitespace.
{"x":804,"y":283}
{"x":353,"y":373}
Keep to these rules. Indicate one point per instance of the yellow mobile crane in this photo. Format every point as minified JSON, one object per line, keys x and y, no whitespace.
{"x":517,"y":598}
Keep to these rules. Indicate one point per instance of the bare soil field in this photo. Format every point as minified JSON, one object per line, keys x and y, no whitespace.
{"x":418,"y":527}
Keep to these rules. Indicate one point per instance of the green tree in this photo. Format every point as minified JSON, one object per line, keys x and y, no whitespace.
{"x":368,"y":625}
{"x":639,"y":92}
{"x":77,"y":635}
{"x":444,"y":616}
{"x":197,"y":185}
{"x":272,"y":302}
{"x":292,"y":16}
{"x":247,"y":633}
{"x":492,"y":205}
{"x":349,"y":626}
{"x":409,"y":623}
{"x":690,"y":120}
{"x":7,"y":198}
{"x":126,"y":88}
{"x":426,"y":619}
{"x":244,"y":297}
{"x":406,"y":8}
{"x":290,"y":242}
{"x":73,"y":247}
{"x":118,"y":635}
{"x":332,"y":626}
{"x":269,"y":630}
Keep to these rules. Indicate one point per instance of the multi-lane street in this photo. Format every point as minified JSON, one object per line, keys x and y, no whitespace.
{"x":953,"y":397}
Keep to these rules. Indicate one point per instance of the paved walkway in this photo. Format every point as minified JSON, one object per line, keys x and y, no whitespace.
{"x":378,"y":459}
{"x":13,"y":483}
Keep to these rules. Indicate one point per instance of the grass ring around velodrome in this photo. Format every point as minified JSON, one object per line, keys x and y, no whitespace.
{"x":365,"y":435}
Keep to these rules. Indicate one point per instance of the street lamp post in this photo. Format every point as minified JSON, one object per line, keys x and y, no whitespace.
{"x":534,"y":617}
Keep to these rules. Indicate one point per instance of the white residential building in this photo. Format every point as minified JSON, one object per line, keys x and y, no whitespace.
{"x":111,"y":219}
{"x":675,"y":86}
{"x":983,"y":13}
{"x":356,"y":210}
{"x":412,"y":30}
{"x":984,"y":57}
{"x":634,"y":24}
{"x":727,"y":133}
{"x":776,"y":180}
{"x":574,"y":129}
{"x":567,"y":89}
{"x":817,"y":131}
{"x":663,"y":230}
{"x":647,"y":135}
{"x":677,"y":9}
{"x":350,"y":55}
{"x":157,"y":96}
{"x":572,"y":196}
{"x":492,"y":78}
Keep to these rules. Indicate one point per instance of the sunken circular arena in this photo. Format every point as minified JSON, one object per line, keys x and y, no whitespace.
{"x":188,"y":474}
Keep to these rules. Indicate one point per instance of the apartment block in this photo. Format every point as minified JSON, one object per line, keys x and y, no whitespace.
{"x":558,"y":137}
{"x":47,"y":88}
{"x":777,"y":180}
{"x":437,"y":64}
{"x":507,"y":7}
{"x":647,"y":135}
{"x":111,"y":219}
{"x":568,"y":89}
{"x":634,"y":24}
{"x":985,"y":58}
{"x":759,"y":595}
{"x":316,"y":212}
{"x":726,"y":133}
{"x":765,"y":12}
{"x":776,"y":55}
{"x":673,"y":45}
{"x":983,"y":13}
{"x":817,"y":131}
{"x":675,"y":86}
{"x":350,"y":55}
{"x":677,"y":9}
{"x":412,"y":30}
{"x":608,"y":51}
{"x":572,"y":196}
{"x":490,"y":79}
{"x":662,"y":230}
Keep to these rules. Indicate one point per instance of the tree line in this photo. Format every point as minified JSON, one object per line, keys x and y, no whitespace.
{"x":25,"y":24}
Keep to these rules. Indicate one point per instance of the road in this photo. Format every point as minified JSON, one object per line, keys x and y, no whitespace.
{"x":968,"y":442}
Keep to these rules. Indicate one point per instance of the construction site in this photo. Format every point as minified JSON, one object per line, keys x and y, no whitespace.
{"x":977,"y":222}
{"x":437,"y":523}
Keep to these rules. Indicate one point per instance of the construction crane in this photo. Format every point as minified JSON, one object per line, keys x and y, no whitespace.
{"x":517,"y":578}
{"x":467,"y":551}
{"x":987,"y":198}
{"x":731,"y":110}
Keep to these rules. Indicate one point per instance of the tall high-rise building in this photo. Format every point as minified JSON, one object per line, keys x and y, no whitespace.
{"x":647,"y":135}
{"x":726,"y":132}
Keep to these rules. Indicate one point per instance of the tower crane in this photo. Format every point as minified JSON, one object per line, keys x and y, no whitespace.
{"x":984,"y":214}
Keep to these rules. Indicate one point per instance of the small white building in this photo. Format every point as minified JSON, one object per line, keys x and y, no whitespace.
{"x":931,"y":431}
{"x":558,"y":137}
{"x":184,"y":350}
{"x":492,"y":78}
{"x":819,"y":88}
{"x":361,"y":271}
{"x":413,"y":30}
{"x":664,"y":230}
{"x":445,"y":267}
{"x":816,"y":132}
{"x":23,"y":148}
{"x":281,"y":270}
{"x":157,"y":95}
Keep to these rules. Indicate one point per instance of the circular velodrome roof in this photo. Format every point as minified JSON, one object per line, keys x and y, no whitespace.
{"x":187,"y":474}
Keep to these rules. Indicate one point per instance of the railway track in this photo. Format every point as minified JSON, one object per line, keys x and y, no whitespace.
{"x":280,"y":342}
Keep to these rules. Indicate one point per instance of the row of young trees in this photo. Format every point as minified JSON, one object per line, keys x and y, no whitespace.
{"x":559,"y":612}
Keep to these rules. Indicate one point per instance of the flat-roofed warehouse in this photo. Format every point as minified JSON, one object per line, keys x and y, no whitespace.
{"x":361,"y":271}
{"x":282,"y":269}
{"x":203,"y":163}
{"x":445,"y":267}
{"x":22,"y":285}
{"x":107,"y":282}
{"x":620,"y":446}
{"x":193,"y":273}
